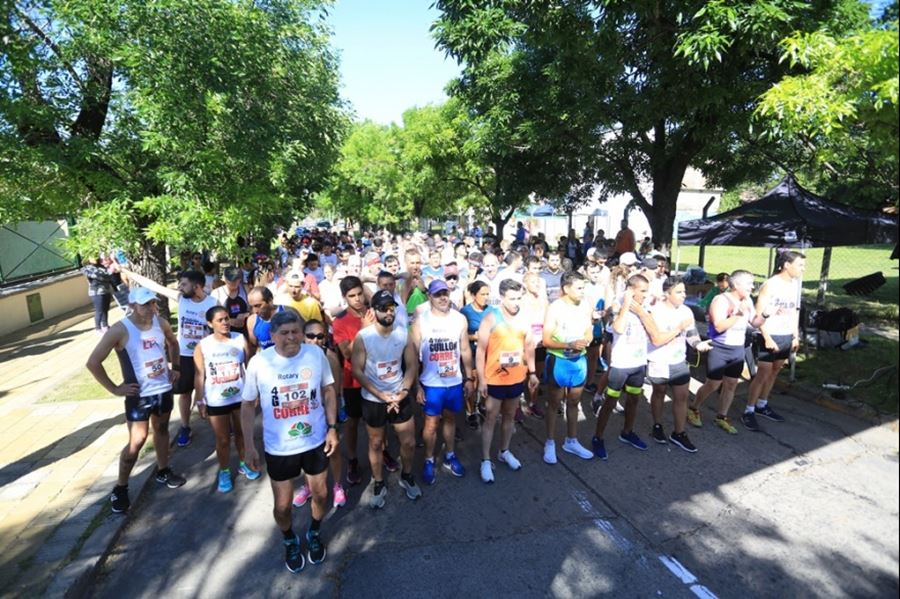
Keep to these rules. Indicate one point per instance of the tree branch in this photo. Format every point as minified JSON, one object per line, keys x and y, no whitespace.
{"x":52,"y":45}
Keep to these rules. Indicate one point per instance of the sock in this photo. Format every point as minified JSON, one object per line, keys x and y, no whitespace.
{"x":504,"y":451}
{"x":749,"y":410}
{"x":449,"y":455}
{"x":120,"y":488}
{"x":762,"y":403}
{"x":228,"y":470}
{"x":408,"y":477}
{"x":379,"y":485}
{"x":720,"y":417}
{"x":431,"y":460}
{"x":314,"y":525}
{"x":162,"y":470}
{"x":288,"y":534}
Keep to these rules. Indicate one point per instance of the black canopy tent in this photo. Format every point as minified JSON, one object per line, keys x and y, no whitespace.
{"x":790,"y":216}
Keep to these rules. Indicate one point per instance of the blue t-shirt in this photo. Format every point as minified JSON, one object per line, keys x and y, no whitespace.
{"x":474,"y":317}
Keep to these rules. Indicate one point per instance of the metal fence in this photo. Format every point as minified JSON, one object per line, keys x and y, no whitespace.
{"x":31,"y":249}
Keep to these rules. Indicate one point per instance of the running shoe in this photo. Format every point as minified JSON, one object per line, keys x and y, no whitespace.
{"x":315,"y":547}
{"x":340,"y":496}
{"x":409,"y":484}
{"x":597,"y":403}
{"x":184,"y":436}
{"x":550,"y":452}
{"x":633,"y":440}
{"x":599,"y":448}
{"x":225,"y":483}
{"x":768,"y":412}
{"x":389,"y":463}
{"x":748,"y":419}
{"x":510,"y":460}
{"x":247,"y":471}
{"x":575,"y":448}
{"x":472,"y":421}
{"x":169,"y":478}
{"x":520,"y":416}
{"x":302,"y":495}
{"x":487,"y":471}
{"x":453,"y":466}
{"x":535,"y":410}
{"x":658,"y":434}
{"x":428,"y":472}
{"x":723,"y":423}
{"x":693,"y":417}
{"x":119,"y":499}
{"x":353,"y":475}
{"x":592,"y":388}
{"x":682,"y":441}
{"x":379,"y":493}
{"x":293,"y":554}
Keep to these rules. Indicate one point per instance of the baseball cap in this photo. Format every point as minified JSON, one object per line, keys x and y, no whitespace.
{"x":141,"y":295}
{"x":591,"y":253}
{"x":231,"y":274}
{"x":372,"y":259}
{"x":476,"y":256}
{"x":628,"y":259}
{"x":650,"y":263}
{"x":383,"y":299}
{"x":436,"y":286}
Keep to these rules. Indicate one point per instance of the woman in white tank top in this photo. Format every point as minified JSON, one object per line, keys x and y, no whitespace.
{"x":220,"y":360}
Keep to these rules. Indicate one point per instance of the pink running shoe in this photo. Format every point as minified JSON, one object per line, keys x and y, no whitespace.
{"x":340,"y":497}
{"x":302,"y":496}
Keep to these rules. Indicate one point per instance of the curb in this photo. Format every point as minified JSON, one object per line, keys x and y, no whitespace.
{"x":852,"y":407}
{"x":74,"y":579}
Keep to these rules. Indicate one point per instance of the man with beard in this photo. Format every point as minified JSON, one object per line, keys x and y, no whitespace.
{"x":385,"y":366}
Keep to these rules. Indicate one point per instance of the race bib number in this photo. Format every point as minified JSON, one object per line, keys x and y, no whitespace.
{"x":155,"y":368}
{"x":509,"y":359}
{"x":226,"y":372}
{"x":447,"y":369}
{"x":386,"y":371}
{"x":657,"y":370}
{"x":292,"y":397}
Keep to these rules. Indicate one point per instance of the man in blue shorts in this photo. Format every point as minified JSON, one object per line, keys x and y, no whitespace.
{"x":441,"y":340}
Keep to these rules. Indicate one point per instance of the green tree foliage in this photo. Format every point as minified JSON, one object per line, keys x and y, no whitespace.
{"x":174,"y":122}
{"x":843,"y":109}
{"x":624,"y":95}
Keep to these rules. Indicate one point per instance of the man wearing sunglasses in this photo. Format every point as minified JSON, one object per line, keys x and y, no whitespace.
{"x":440,"y":337}
{"x":386,"y":366}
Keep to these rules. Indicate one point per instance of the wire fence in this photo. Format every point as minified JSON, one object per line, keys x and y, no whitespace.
{"x":31,"y":249}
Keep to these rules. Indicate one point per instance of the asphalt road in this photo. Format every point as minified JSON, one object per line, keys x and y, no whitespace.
{"x":806,"y":508}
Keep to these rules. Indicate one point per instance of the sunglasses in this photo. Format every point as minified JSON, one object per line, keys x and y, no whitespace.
{"x":452,"y":278}
{"x":387,"y":309}
{"x":316,"y":336}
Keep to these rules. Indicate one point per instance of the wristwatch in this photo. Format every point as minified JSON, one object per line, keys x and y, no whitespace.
{"x":334,"y":426}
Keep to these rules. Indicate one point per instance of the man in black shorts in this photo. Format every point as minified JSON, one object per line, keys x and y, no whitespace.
{"x":295,"y":387}
{"x":141,"y":341}
{"x":386,"y":365}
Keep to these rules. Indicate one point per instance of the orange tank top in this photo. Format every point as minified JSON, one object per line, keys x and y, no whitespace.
{"x":505,"y":359}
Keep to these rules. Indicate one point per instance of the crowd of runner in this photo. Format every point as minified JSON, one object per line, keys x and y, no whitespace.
{"x":424,"y":335}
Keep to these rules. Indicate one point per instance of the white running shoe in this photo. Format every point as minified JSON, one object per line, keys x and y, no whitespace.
{"x":487,"y":471}
{"x":575,"y":448}
{"x":550,"y":452}
{"x":509,"y":459}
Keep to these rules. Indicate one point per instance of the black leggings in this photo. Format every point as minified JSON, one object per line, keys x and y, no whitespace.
{"x":101,"y":310}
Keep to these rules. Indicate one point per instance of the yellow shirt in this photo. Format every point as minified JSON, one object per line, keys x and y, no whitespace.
{"x":308,"y":307}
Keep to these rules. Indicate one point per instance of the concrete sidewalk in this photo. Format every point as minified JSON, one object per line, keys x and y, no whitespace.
{"x":58,"y":461}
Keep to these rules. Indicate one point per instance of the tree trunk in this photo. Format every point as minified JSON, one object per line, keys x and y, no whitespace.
{"x":666,"y":187}
{"x":499,"y":221}
{"x":151,"y":263}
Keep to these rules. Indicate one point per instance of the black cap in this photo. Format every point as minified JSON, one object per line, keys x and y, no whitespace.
{"x":383,"y":299}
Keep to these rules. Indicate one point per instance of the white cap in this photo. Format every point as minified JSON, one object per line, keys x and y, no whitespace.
{"x":141,"y":295}
{"x":628,"y":259}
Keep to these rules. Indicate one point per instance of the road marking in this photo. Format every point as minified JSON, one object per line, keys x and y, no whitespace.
{"x":672,"y":565}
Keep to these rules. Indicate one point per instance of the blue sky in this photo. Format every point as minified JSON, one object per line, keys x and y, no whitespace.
{"x":388,"y":59}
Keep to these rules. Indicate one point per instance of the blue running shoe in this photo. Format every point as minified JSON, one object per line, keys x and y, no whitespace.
{"x":225,"y":484}
{"x":451,"y":463}
{"x":428,"y":472}
{"x":248,"y":471}
{"x":633,"y":440}
{"x":599,"y":448}
{"x":184,"y":436}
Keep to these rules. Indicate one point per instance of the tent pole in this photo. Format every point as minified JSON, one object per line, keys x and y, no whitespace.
{"x":823,"y":277}
{"x":771,"y":253}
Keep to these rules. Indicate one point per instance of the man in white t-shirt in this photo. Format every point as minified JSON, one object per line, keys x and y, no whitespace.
{"x":295,"y":387}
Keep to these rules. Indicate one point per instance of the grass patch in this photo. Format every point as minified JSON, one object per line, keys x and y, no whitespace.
{"x":857,"y":364}
{"x":83,"y":387}
{"x":847,"y":264}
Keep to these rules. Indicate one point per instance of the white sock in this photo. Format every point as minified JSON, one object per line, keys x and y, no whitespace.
{"x":749,"y":410}
{"x":761,"y":403}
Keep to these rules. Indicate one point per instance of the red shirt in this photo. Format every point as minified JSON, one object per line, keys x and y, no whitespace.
{"x":344,"y":328}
